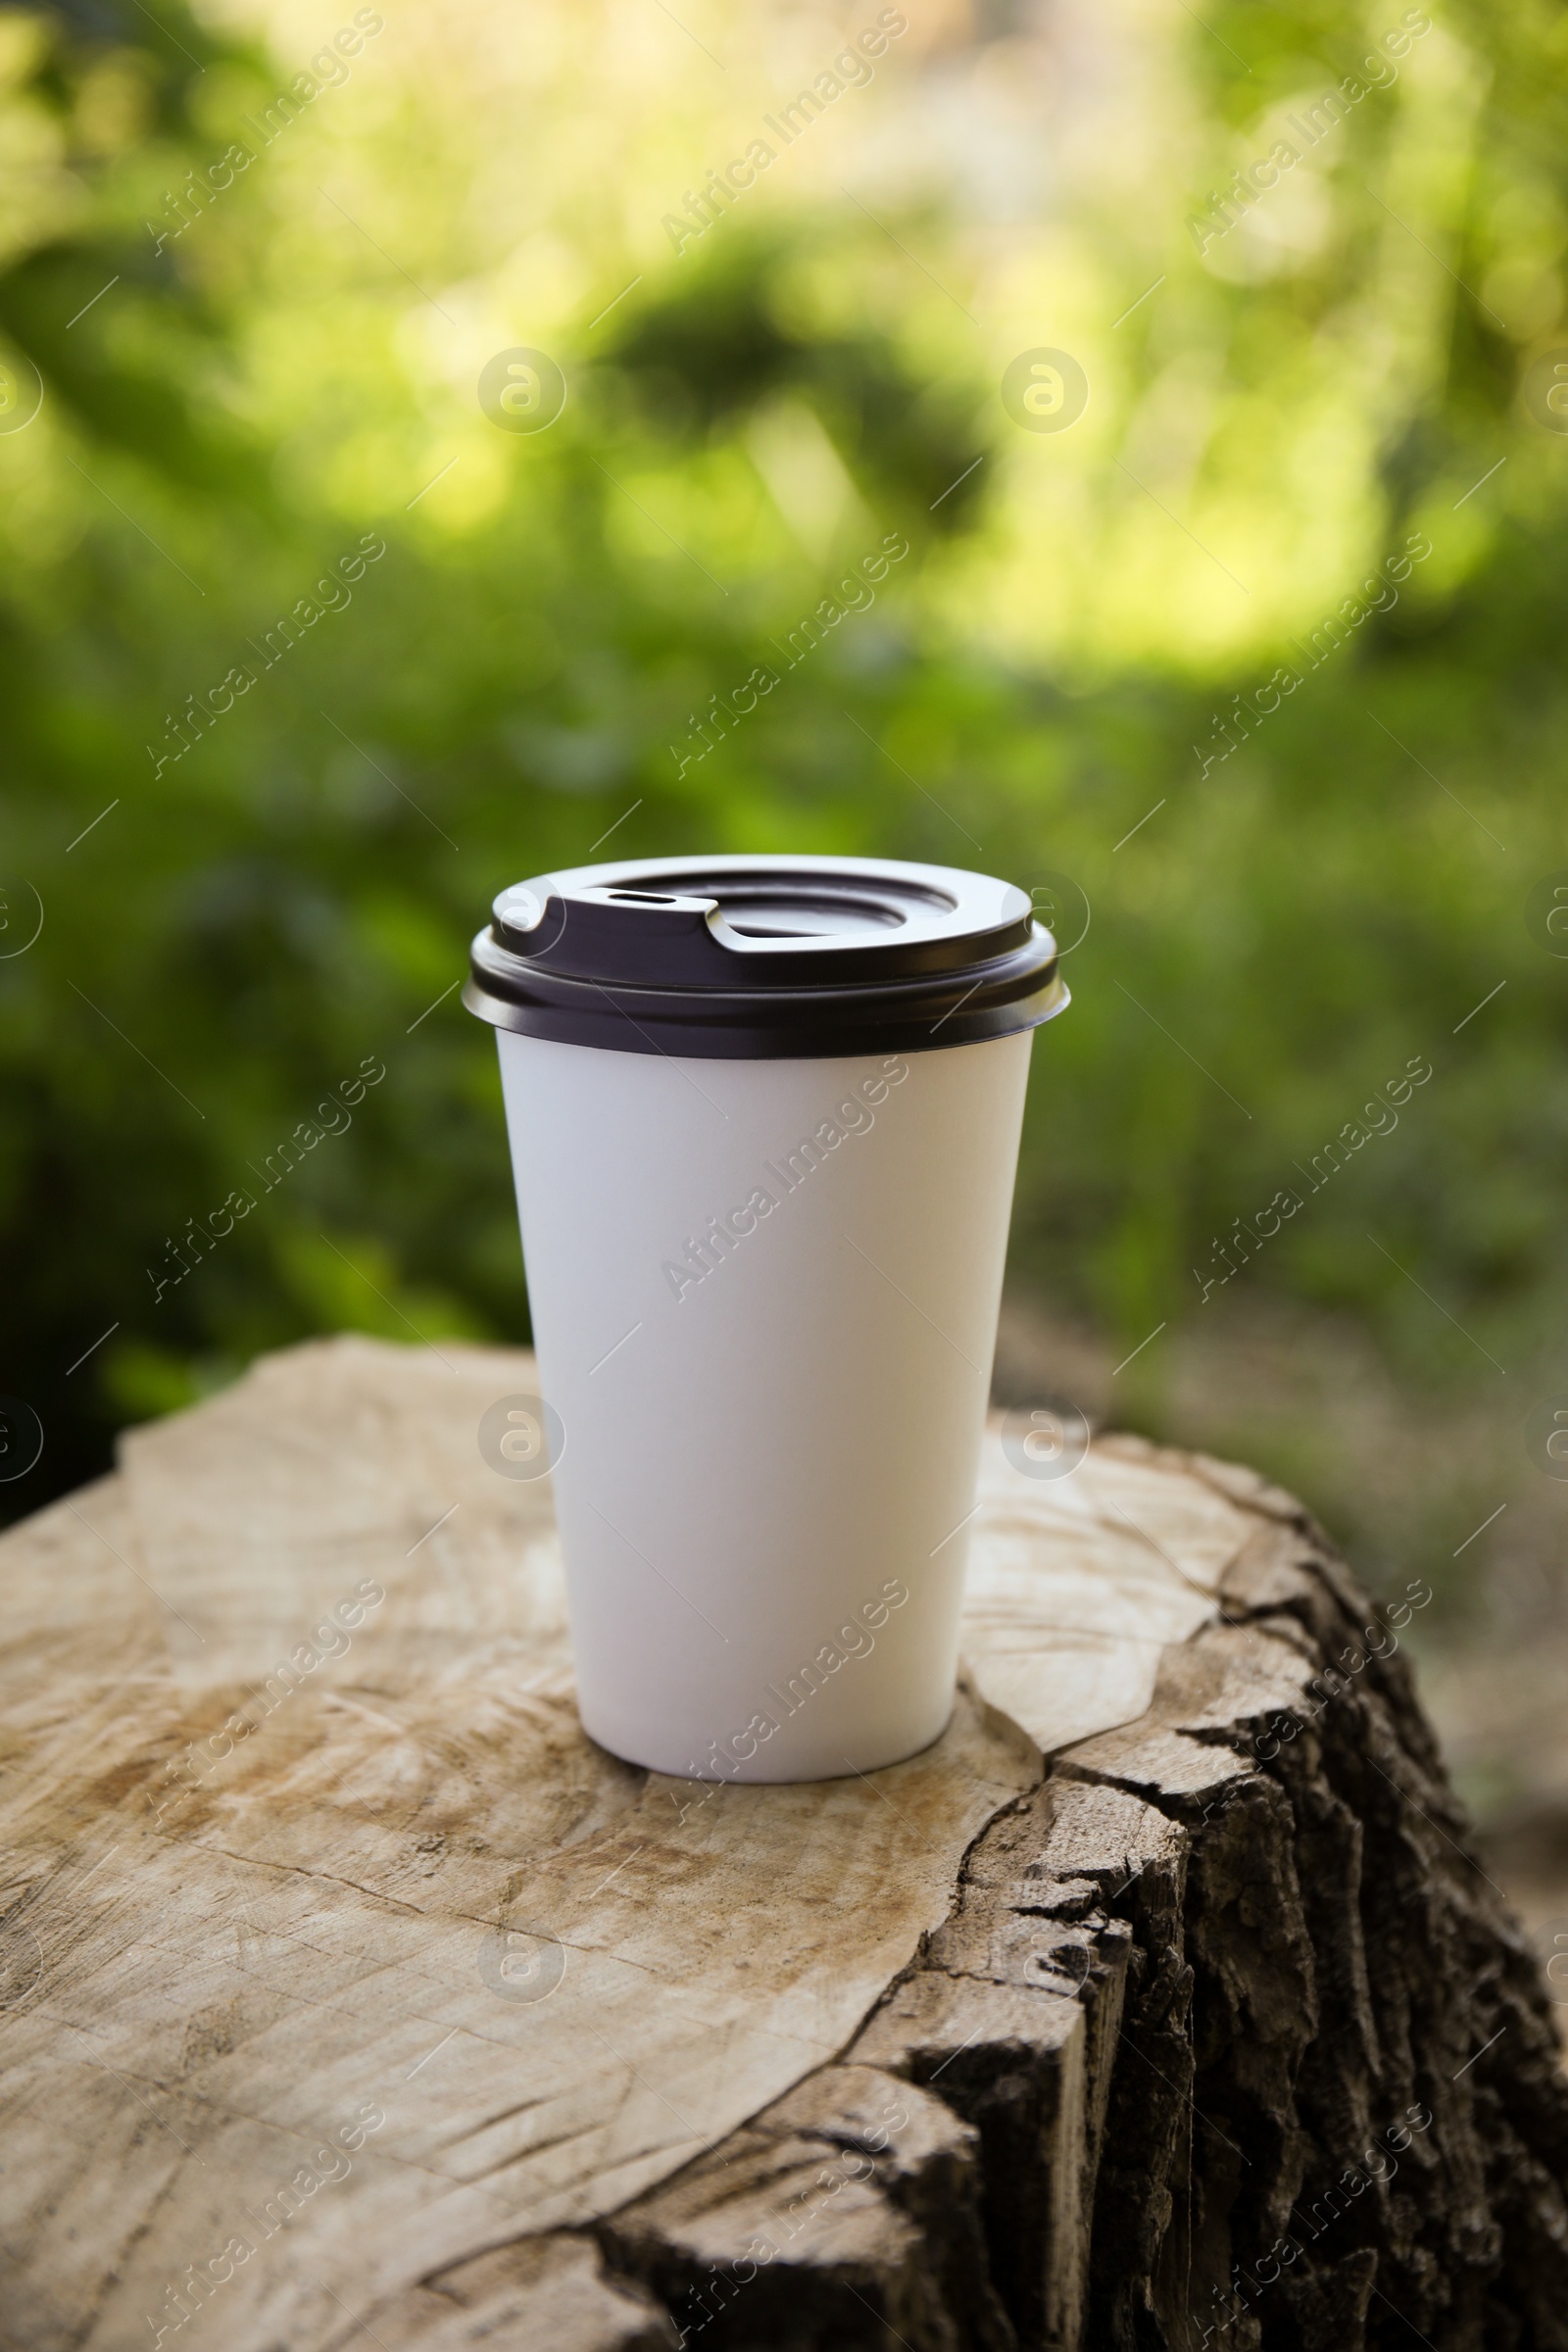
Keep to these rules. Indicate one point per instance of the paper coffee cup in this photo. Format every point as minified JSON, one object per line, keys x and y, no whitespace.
{"x":764,"y":1117}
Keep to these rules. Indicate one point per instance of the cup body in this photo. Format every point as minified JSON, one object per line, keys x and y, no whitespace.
{"x":764,"y":1298}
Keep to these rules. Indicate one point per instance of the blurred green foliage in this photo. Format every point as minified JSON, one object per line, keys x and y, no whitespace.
{"x":230,"y":932}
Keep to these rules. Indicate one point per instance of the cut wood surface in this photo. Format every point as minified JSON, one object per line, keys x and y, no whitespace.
{"x":345,"y":1985}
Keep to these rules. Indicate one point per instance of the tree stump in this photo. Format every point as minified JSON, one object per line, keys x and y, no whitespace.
{"x":347,"y":1990}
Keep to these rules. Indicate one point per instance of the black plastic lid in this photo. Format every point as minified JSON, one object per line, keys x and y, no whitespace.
{"x":739,"y":958}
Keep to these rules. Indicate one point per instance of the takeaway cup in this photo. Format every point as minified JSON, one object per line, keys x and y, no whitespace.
{"x":763,"y":1116}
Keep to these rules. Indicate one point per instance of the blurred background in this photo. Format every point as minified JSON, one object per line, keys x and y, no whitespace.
{"x":420,"y":423}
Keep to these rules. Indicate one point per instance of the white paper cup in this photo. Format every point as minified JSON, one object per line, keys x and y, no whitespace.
{"x":764,"y":1294}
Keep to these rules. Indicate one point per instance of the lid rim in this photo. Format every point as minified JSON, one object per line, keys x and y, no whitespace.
{"x":701,"y":1035}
